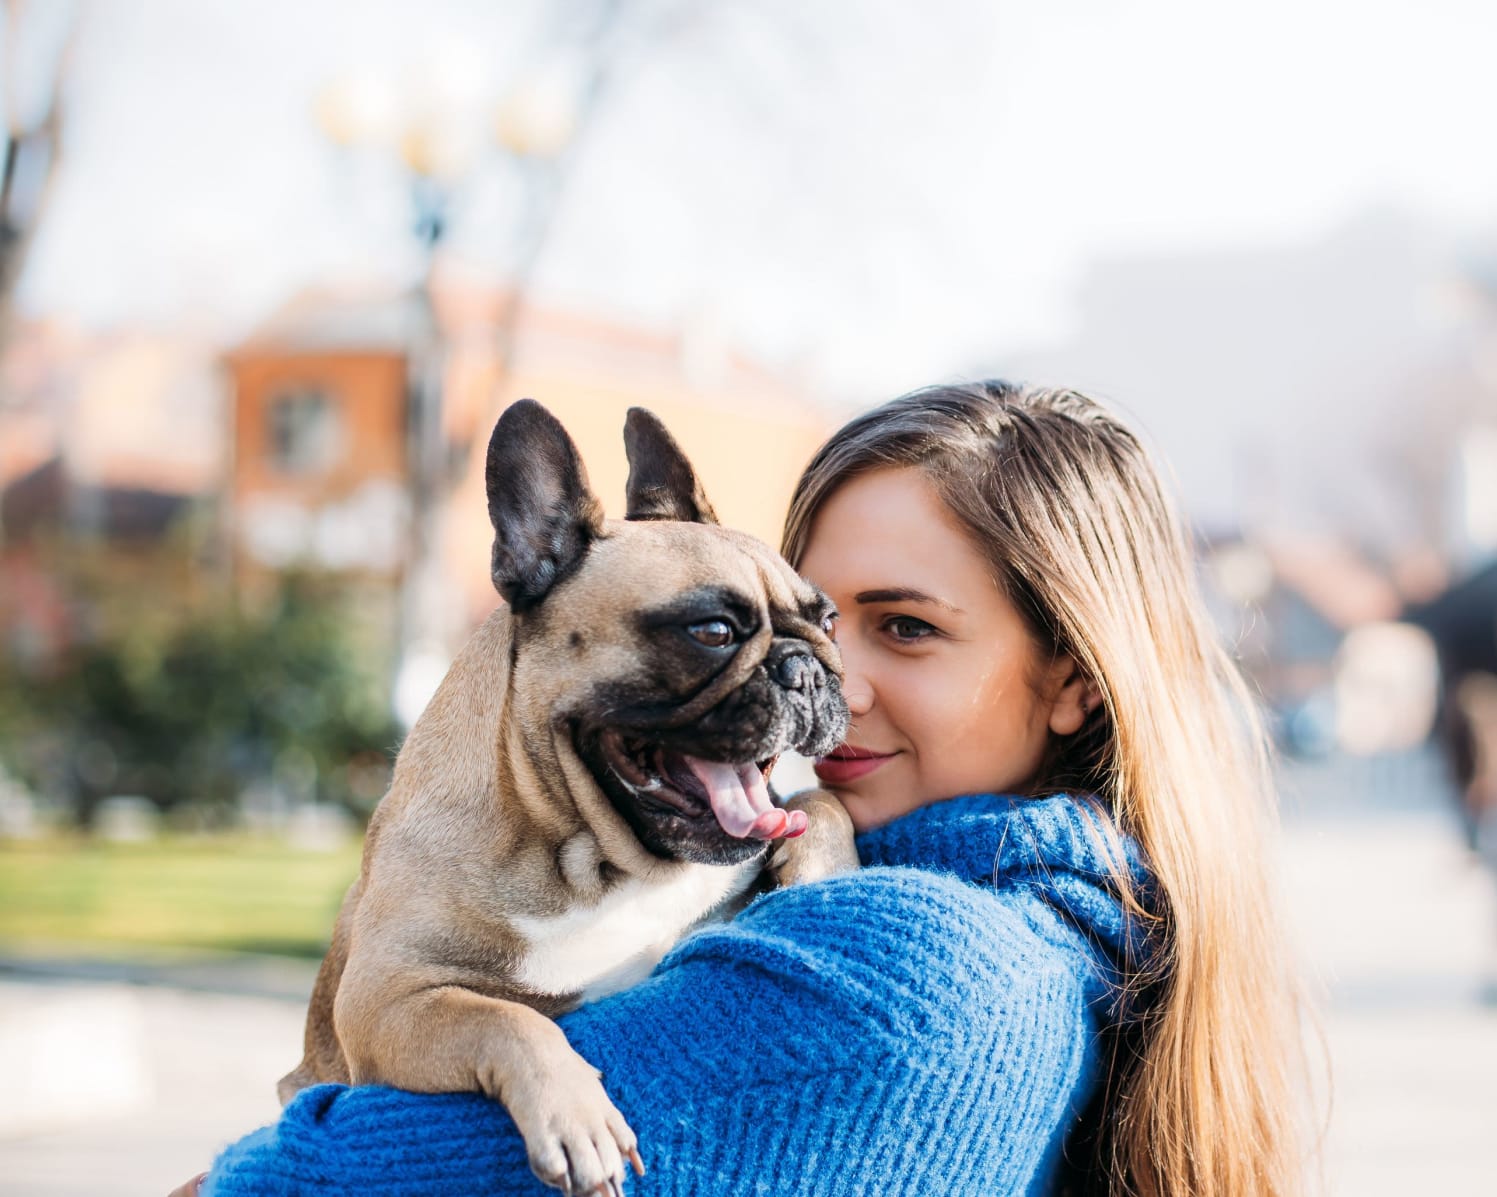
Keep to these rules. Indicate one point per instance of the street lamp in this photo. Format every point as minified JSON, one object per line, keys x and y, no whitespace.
{"x":435,"y":132}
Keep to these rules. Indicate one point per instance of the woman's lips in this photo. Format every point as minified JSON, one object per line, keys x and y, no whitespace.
{"x":848,"y":764}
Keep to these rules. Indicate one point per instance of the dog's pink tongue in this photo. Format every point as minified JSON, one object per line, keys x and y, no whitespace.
{"x":741,"y":801}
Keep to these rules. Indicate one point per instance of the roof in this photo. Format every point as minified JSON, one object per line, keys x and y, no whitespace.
{"x":323,"y":319}
{"x":47,"y":498}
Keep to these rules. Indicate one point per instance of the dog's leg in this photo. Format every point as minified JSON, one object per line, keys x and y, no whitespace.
{"x":322,"y":1058}
{"x":442,"y":1038}
{"x":823,"y":850}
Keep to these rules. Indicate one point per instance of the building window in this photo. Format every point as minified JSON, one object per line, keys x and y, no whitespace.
{"x":306,"y":432}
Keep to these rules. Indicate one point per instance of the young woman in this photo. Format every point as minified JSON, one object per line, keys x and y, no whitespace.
{"x":1060,"y":969}
{"x":1089,"y":576}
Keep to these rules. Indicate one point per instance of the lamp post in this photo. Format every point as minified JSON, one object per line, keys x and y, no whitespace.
{"x":435,"y":132}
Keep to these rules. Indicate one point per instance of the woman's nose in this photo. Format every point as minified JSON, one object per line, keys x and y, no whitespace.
{"x":857,"y":690}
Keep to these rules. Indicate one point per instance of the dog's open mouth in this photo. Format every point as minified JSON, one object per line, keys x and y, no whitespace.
{"x":736,"y":795}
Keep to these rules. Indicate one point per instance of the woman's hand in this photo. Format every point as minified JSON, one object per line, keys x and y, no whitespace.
{"x":190,"y":1189}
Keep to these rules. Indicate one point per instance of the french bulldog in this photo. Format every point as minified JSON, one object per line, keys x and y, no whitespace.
{"x":587,"y":783}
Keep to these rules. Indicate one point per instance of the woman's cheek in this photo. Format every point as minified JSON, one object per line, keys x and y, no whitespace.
{"x":971,"y":740}
{"x":941,"y":721}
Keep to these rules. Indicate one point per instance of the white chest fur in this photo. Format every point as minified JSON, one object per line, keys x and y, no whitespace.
{"x":615,"y":942}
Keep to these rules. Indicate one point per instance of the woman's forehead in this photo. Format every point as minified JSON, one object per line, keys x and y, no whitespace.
{"x":891,"y":520}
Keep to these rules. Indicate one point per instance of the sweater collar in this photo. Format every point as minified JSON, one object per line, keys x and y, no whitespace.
{"x":1061,"y":845}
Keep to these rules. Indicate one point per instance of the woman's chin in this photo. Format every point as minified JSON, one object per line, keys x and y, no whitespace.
{"x":867,"y":813}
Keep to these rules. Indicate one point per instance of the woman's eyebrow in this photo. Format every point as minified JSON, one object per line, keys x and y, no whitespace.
{"x":903,"y":594}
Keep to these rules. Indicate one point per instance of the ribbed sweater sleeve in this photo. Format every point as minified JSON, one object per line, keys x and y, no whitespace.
{"x":901,"y":1030}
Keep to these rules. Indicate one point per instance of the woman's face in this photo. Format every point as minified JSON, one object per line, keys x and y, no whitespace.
{"x":948,"y":691}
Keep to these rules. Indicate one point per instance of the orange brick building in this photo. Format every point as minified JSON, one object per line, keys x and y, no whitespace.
{"x":319,"y":470}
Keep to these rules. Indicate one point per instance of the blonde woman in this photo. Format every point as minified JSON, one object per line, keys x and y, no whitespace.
{"x":1059,"y":506}
{"x":1059,"y":970}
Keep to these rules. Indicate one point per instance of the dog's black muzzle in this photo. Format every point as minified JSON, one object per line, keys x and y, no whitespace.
{"x":790,"y":702}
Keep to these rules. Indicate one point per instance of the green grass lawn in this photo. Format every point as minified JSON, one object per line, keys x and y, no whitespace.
{"x":226,"y":894}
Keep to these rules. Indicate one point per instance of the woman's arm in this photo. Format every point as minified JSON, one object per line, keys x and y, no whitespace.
{"x":890,"y":1024}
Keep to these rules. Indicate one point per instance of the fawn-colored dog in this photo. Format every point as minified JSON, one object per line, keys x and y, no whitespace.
{"x":587,"y":783}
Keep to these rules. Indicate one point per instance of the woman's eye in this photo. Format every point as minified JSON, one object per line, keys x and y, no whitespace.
{"x":714,"y":633}
{"x":907,"y":629}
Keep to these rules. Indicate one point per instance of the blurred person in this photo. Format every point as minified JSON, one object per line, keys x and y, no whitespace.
{"x":1472,"y":712}
{"x":1460,"y":620}
{"x":1061,"y":968}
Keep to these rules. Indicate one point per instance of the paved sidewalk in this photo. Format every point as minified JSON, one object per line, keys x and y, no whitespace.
{"x":1402,"y":925}
{"x":143,"y":1082}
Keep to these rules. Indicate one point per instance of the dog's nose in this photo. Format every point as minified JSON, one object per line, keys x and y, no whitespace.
{"x":800,"y":671}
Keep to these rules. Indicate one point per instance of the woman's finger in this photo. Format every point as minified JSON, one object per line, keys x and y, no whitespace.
{"x":190,"y":1189}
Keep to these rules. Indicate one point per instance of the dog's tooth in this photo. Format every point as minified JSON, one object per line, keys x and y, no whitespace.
{"x":624,"y":781}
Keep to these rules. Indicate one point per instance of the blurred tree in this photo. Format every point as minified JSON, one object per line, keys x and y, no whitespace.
{"x":554,"y":111}
{"x":37,"y":53}
{"x":542,"y":127}
{"x":197,"y":715}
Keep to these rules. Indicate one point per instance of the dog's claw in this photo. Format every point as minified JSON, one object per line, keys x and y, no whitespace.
{"x":635,"y":1162}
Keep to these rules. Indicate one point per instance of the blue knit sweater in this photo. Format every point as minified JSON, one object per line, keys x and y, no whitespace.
{"x":926,"y":1025}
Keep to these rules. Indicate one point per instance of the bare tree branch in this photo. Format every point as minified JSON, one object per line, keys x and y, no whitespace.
{"x":33,"y":149}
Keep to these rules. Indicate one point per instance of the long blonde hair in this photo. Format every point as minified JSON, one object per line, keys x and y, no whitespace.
{"x":1206,"y":1097}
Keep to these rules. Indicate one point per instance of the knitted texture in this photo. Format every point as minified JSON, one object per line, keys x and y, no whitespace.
{"x":929,"y":1024}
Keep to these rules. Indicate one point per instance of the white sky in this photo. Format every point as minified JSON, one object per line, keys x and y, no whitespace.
{"x":888,"y":193}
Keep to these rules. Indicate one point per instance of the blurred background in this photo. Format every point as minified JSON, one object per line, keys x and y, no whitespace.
{"x":269,"y":272}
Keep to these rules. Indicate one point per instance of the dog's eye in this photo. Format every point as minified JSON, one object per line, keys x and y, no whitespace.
{"x":714,"y":633}
{"x":829,"y":624}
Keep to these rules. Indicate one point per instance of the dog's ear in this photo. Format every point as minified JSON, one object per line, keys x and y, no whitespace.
{"x":662,"y":484}
{"x":543,"y":513}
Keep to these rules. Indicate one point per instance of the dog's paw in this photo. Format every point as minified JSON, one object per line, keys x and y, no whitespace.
{"x":584,"y":1148}
{"x":826,"y":849}
{"x":575,"y":1137}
